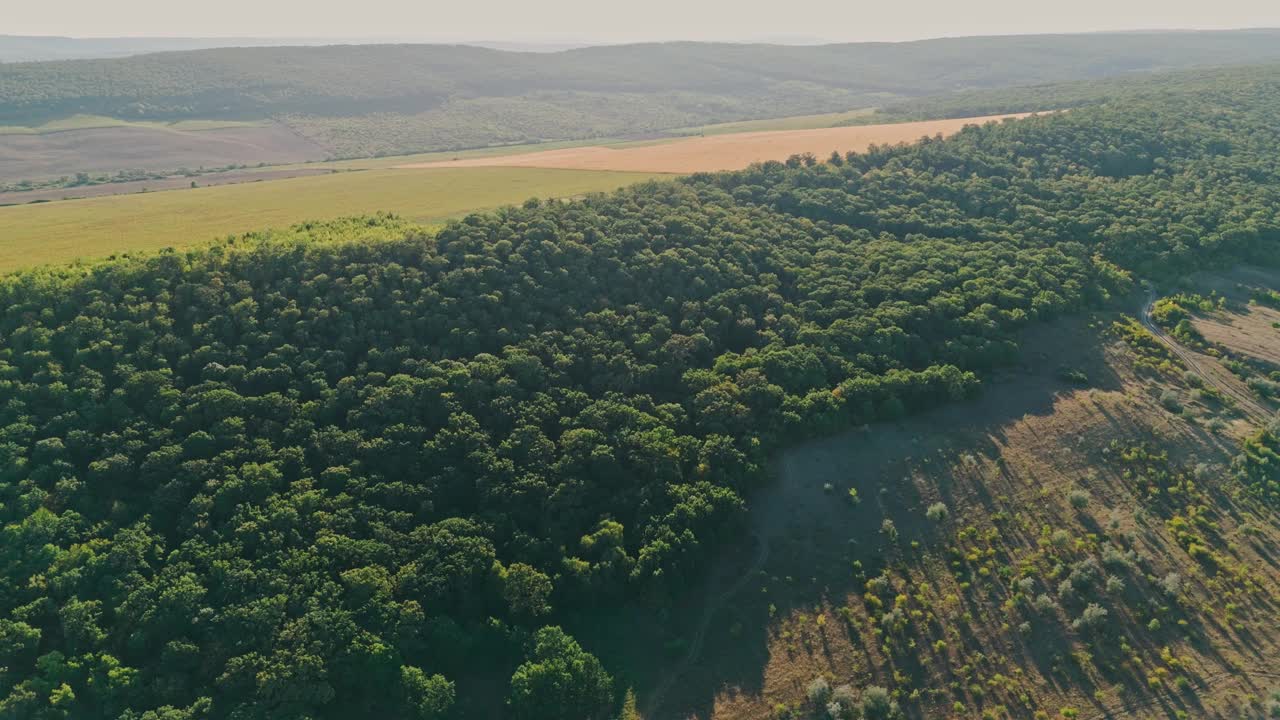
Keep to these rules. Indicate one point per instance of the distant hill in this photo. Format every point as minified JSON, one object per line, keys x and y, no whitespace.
{"x":36,"y":48}
{"x":39,"y":48}
{"x":364,"y":100}
{"x":263,"y":81}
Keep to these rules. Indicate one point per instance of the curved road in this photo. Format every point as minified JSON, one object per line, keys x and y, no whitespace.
{"x":1246,"y":403}
{"x":704,"y":624}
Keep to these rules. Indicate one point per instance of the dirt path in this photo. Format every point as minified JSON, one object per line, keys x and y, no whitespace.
{"x":713,"y":607}
{"x":1251,"y":408}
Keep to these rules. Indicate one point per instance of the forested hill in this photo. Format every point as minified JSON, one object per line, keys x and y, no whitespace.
{"x":308,"y":477}
{"x":1074,"y":94}
{"x":356,"y":80}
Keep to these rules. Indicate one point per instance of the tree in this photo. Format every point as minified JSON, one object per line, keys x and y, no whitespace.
{"x":527,"y":591}
{"x":430,"y":696}
{"x":878,"y":704}
{"x":559,"y":680}
{"x":1092,"y":619}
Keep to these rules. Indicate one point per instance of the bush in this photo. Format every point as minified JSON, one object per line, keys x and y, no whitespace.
{"x":1116,"y":559}
{"x":1072,"y":375}
{"x":1044,"y":604}
{"x":818,"y":692}
{"x":1078,"y":498}
{"x":1093,"y":618}
{"x":878,"y":704}
{"x":845,"y":695}
{"x":889,"y":529}
{"x":937,"y":512}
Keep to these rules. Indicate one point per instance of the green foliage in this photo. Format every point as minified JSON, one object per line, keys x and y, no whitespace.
{"x":429,"y":697}
{"x":559,"y":680}
{"x":1258,"y":464}
{"x":1152,"y":356}
{"x":878,"y":704}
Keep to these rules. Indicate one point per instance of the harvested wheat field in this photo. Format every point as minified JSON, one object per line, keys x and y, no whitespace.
{"x":723,"y":152}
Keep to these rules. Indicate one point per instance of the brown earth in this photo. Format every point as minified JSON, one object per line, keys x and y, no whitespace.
{"x":723,"y":152}
{"x":109,"y":150}
{"x":1254,"y":330}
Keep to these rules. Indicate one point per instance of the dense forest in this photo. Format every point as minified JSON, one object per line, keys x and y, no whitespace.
{"x":340,"y":471}
{"x":397,"y":98}
{"x":1061,"y":96}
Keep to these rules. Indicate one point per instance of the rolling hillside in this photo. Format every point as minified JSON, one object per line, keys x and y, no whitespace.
{"x":366,"y":100}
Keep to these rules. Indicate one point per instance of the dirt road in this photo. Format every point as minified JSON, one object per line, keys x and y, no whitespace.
{"x":1247,"y":404}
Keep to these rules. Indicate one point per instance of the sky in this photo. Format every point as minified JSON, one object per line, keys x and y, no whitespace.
{"x":614,"y":21}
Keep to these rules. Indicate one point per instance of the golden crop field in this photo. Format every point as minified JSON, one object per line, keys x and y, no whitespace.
{"x":728,"y":151}
{"x":63,"y":231}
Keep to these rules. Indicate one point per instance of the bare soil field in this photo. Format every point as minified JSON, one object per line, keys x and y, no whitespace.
{"x":111,"y":149}
{"x":1255,"y":330}
{"x":177,"y":182}
{"x":723,"y":152}
{"x":1005,"y":466}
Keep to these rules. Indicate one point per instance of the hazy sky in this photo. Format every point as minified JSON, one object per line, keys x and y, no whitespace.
{"x":613,"y":21}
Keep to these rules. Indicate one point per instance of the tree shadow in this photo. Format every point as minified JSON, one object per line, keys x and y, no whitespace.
{"x":824,"y":546}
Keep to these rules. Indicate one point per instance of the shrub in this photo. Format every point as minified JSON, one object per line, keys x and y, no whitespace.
{"x":1044,"y":604}
{"x":846,"y":699}
{"x":1078,"y":498}
{"x":1115,"y":558}
{"x":1115,"y":585}
{"x":877,"y":703}
{"x":1172,"y":584}
{"x":818,"y":692}
{"x":937,"y":512}
{"x":889,"y":529}
{"x":1093,"y":618}
{"x":1072,"y":375}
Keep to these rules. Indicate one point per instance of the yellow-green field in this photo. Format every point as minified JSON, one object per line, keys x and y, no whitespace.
{"x":68,"y":230}
{"x":65,"y":231}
